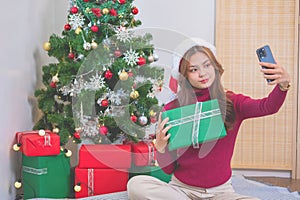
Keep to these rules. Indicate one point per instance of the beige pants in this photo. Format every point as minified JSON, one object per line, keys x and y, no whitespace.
{"x":147,"y":187}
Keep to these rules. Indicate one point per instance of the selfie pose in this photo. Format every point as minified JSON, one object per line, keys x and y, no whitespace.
{"x":205,"y":172}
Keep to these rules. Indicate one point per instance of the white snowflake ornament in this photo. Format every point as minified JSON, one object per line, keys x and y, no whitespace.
{"x":123,"y":34}
{"x":76,"y":21}
{"x":131,"y":57}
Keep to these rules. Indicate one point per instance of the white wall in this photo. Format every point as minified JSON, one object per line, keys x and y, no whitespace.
{"x":25,"y":26}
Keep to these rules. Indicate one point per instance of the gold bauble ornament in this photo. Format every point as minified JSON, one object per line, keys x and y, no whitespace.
{"x":152,"y":113}
{"x":105,"y":11}
{"x":55,"y":79}
{"x":94,"y":45}
{"x":151,"y":58}
{"x":123,"y":76}
{"x":47,"y":46}
{"x":134,"y":94}
{"x":78,"y":30}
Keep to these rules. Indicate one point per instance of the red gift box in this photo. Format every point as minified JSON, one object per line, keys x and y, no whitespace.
{"x":105,"y":156}
{"x":100,"y":181}
{"x":33,"y":144}
{"x":144,"y":153}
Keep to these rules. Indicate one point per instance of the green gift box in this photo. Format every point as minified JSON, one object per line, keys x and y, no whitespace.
{"x":46,"y":176}
{"x":195,"y":124}
{"x":154,"y":171}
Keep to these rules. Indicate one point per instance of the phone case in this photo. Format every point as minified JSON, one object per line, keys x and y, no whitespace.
{"x":265,"y":55}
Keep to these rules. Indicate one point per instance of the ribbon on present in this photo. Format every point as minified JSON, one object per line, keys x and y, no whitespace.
{"x":35,"y":171}
{"x":90,"y":182}
{"x":47,"y":137}
{"x":151,"y":153}
{"x":196,"y":118}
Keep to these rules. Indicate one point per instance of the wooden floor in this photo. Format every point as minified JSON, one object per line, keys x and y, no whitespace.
{"x":292,"y":184}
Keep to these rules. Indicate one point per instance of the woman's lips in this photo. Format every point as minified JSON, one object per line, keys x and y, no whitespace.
{"x":204,"y":81}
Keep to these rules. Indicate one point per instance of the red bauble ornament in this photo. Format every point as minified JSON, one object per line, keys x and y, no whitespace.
{"x":95,"y":28}
{"x":76,"y":135}
{"x":134,"y":10}
{"x":118,"y":53}
{"x":52,"y":84}
{"x":141,"y":61}
{"x":103,"y":130}
{"x":86,"y":1}
{"x":108,"y":74}
{"x":74,"y":10}
{"x":133,"y":118}
{"x":122,"y":1}
{"x":130,"y":74}
{"x":71,"y":55}
{"x":113,"y":12}
{"x":104,"y":103}
{"x":67,"y":27}
{"x":134,"y":86}
{"x":153,"y":120}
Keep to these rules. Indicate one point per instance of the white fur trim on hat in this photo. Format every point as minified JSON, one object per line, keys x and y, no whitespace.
{"x":183,"y":47}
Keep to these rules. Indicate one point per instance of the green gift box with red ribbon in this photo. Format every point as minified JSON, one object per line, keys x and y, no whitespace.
{"x":195,"y":124}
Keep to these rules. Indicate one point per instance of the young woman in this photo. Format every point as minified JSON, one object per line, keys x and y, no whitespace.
{"x":205,"y":172}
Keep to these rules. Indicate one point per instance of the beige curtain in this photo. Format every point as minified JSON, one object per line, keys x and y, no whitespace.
{"x":241,"y":27}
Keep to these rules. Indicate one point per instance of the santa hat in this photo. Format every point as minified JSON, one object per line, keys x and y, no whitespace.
{"x":178,"y":53}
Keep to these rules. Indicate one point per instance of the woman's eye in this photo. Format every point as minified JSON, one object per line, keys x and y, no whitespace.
{"x":193,"y":70}
{"x":207,"y":65}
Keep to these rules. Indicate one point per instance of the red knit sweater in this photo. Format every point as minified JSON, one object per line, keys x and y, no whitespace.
{"x":209,"y":166}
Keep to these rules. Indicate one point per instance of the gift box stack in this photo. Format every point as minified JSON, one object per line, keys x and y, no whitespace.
{"x":144,"y":161}
{"x":102,"y":169}
{"x":45,"y":167}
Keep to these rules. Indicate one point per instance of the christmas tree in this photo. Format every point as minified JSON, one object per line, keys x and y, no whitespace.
{"x":103,"y":86}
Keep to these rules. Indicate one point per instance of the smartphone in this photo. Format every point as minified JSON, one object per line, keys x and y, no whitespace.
{"x":264,"y":54}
